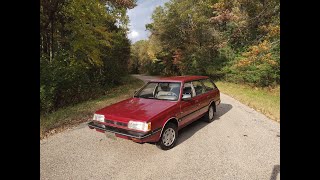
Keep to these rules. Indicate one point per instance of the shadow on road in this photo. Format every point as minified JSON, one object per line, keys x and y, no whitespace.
{"x":275,"y":172}
{"x":188,"y":131}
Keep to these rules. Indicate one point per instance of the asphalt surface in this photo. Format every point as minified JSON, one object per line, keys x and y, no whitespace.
{"x":240,"y":144}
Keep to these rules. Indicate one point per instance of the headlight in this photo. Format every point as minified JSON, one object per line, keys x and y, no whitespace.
{"x":142,"y":126}
{"x":98,"y":117}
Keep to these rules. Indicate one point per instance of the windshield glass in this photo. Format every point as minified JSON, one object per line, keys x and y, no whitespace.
{"x":160,"y":90}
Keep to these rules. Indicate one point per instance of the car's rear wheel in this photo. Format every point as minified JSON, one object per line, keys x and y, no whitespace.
{"x":209,"y":117}
{"x":168,"y":137}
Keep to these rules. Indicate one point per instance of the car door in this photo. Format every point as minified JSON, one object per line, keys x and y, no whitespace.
{"x":200,"y":98}
{"x":187,"y":107}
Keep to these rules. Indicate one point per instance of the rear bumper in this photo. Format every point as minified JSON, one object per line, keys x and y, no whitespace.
{"x":136,"y":136}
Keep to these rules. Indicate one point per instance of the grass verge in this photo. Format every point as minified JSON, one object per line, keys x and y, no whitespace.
{"x":265,"y":100}
{"x":73,"y":115}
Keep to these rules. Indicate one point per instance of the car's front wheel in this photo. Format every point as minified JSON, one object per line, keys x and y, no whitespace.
{"x":168,"y":137}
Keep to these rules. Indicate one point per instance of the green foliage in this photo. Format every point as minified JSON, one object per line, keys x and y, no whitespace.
{"x":83,"y":49}
{"x":235,"y":40}
{"x":259,"y":65}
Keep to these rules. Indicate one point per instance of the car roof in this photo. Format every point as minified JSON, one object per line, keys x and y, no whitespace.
{"x":179,"y":78}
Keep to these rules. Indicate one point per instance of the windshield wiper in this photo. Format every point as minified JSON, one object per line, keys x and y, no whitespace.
{"x":146,"y":97}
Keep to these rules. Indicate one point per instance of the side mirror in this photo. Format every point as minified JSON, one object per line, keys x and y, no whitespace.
{"x":186,"y":97}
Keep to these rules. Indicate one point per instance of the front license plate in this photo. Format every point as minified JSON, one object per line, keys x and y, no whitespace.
{"x":110,"y":135}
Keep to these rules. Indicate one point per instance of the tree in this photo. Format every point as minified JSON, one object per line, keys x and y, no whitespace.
{"x":83,"y":49}
{"x":212,"y":37}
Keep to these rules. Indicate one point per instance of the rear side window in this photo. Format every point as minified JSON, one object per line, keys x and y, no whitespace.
{"x":198,"y":87}
{"x":208,"y":85}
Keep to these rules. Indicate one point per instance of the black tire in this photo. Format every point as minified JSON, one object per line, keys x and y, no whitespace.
{"x":207,"y":116}
{"x":165,"y":144}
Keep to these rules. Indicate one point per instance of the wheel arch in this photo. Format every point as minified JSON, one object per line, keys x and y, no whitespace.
{"x":213,"y":103}
{"x":174,"y":120}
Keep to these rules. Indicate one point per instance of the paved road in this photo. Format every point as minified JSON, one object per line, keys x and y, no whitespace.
{"x":240,"y":144}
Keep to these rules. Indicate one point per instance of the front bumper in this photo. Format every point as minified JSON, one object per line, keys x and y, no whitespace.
{"x":124,"y":132}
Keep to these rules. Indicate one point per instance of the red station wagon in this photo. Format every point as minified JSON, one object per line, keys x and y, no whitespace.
{"x":159,"y":110}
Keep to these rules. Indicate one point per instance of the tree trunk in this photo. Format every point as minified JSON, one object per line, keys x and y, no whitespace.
{"x":52,"y":42}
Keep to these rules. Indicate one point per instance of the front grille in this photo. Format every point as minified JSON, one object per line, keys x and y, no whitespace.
{"x":109,"y":121}
{"x":116,"y":123}
{"x":121,"y":124}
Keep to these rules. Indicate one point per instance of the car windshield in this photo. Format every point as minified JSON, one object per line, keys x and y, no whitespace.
{"x":160,"y":90}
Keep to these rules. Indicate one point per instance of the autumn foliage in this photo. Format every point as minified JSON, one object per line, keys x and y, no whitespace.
{"x":233,"y":40}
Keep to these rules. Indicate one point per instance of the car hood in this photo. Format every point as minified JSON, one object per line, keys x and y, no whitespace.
{"x":135,"y":109}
